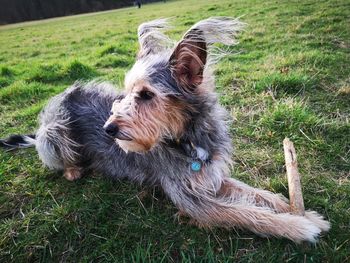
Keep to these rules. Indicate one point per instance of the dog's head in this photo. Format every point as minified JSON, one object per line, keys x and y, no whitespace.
{"x":166,"y":84}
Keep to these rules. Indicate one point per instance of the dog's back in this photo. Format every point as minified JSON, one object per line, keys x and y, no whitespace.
{"x":71,"y":131}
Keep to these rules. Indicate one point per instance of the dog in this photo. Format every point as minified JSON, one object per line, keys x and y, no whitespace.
{"x":167,"y":129}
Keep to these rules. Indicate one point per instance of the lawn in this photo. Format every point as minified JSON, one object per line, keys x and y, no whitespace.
{"x":289,"y":76}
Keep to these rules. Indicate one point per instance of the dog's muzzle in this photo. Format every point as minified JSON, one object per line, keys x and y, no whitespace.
{"x":113,"y":130}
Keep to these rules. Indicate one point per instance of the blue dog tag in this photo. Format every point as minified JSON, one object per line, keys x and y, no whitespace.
{"x":196,"y":166}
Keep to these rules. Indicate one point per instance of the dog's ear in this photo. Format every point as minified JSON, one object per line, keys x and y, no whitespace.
{"x":151,"y":37}
{"x":195,"y":51}
{"x":188,"y":60}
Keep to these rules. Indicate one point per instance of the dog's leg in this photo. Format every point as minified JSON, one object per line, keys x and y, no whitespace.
{"x":211,"y":209}
{"x":72,"y":173}
{"x":231,"y":188}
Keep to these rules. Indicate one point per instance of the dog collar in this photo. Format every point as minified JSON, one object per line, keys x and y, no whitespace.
{"x":198,"y":155}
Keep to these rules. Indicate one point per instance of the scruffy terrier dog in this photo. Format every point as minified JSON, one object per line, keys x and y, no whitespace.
{"x":165,"y":129}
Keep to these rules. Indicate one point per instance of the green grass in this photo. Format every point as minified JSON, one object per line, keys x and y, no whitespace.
{"x":290,"y":77}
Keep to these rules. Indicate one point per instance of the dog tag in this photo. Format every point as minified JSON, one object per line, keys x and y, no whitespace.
{"x":196,"y":166}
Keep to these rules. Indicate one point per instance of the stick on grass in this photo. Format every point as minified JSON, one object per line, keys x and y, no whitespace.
{"x":294,"y":185}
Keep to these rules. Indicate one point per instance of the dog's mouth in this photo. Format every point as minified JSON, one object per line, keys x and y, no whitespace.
{"x":123,"y":136}
{"x":131,"y":145}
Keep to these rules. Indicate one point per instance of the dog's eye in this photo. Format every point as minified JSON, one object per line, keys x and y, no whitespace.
{"x":146,"y":95}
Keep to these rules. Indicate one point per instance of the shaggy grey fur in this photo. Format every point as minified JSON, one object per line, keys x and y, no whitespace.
{"x":78,"y":115}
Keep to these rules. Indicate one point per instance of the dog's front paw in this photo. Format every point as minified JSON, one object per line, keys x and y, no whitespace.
{"x":318,"y":220}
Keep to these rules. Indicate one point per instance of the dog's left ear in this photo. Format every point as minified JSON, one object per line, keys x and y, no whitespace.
{"x":195,"y":52}
{"x":188,"y":60}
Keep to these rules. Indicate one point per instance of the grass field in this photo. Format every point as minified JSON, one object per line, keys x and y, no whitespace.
{"x":290,"y":77}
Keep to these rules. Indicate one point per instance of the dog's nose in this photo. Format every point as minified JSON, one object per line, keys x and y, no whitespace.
{"x":111,"y":129}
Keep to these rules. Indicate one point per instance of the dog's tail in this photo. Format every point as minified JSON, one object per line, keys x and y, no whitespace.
{"x":18,"y":141}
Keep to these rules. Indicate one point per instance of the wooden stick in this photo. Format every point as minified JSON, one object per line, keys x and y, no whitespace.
{"x":294,"y":185}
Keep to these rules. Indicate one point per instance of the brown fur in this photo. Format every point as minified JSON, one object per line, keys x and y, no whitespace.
{"x":188,"y":61}
{"x":147,"y":121}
